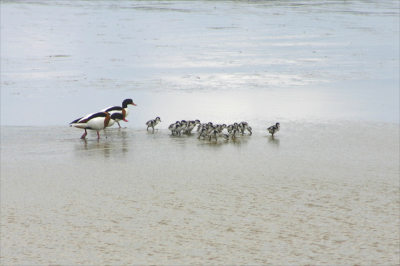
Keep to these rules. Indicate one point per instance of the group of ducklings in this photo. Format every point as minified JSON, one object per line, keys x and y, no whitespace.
{"x":209,"y":130}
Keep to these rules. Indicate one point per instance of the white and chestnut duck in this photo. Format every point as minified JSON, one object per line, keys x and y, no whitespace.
{"x":120,"y":109}
{"x":96,"y":121}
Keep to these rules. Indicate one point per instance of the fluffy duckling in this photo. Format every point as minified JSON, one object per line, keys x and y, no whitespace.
{"x":191,"y":125}
{"x":244,"y":126}
{"x":173,"y":127}
{"x":152,"y":123}
{"x":232,"y":127}
{"x":220,"y":128}
{"x":273,"y":129}
{"x":202,"y":132}
{"x":182,"y":126}
{"x":212,"y":133}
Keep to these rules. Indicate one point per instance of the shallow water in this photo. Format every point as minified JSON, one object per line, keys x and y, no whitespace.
{"x":312,"y":195}
{"x":325,"y":190}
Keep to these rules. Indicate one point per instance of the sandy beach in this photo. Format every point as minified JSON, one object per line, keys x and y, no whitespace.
{"x":323,"y":191}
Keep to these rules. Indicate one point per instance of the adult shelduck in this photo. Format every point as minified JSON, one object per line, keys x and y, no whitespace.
{"x":96,"y":121}
{"x":118,"y":109}
{"x":118,"y":118}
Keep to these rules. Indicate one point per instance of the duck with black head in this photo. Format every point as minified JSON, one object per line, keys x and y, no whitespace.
{"x":120,"y":109}
{"x":96,"y":121}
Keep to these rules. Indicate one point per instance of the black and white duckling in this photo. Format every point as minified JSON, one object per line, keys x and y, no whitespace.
{"x":173,"y":127}
{"x":212,"y":134}
{"x":273,"y":129}
{"x":244,"y":126}
{"x":220,"y":127}
{"x":201,"y":126}
{"x":152,"y":123}
{"x":203,"y":132}
{"x":232,"y":127}
{"x":182,"y":126}
{"x":191,"y":125}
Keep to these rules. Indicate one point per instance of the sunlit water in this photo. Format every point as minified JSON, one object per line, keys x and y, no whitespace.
{"x":325,"y":190}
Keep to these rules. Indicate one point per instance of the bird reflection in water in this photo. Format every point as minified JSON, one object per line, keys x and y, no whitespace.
{"x":107,"y":148}
{"x":274,"y":141}
{"x":124,"y":137}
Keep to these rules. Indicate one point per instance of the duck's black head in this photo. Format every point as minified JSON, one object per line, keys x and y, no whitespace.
{"x":117,"y":116}
{"x":126,"y":102}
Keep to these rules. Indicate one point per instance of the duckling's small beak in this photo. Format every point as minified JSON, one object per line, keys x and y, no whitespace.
{"x":125,"y":120}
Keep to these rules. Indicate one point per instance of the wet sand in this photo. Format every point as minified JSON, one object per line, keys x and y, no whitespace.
{"x":315,"y":194}
{"x":325,"y":190}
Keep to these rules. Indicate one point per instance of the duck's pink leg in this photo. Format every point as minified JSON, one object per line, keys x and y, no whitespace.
{"x":98,"y":135}
{"x":84,"y":134}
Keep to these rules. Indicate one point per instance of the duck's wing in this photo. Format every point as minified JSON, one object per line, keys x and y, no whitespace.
{"x":112,"y":108}
{"x":92,"y":116}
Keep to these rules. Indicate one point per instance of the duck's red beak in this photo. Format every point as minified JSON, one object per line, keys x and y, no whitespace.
{"x":134,"y":104}
{"x":125,"y":120}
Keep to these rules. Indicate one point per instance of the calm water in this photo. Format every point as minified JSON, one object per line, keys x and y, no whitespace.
{"x":324,"y":58}
{"x":325,"y":190}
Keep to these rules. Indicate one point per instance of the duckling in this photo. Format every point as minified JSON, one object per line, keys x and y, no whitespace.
{"x":182,"y":125}
{"x":191,"y":125}
{"x":173,"y":127}
{"x":203,"y":132}
{"x":219,"y":127}
{"x":200,"y":126}
{"x":273,"y":129}
{"x":244,"y":126}
{"x":231,"y":127}
{"x":152,"y":123}
{"x":212,"y":133}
